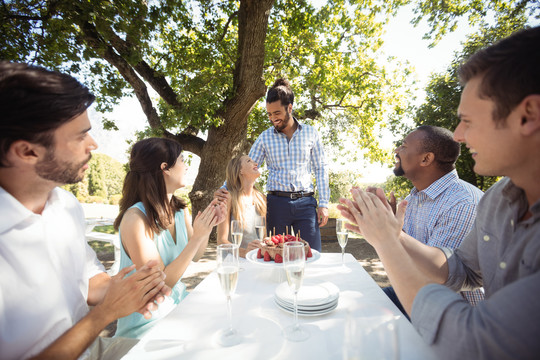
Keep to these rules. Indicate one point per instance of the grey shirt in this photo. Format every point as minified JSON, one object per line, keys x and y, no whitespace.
{"x":502,"y":255}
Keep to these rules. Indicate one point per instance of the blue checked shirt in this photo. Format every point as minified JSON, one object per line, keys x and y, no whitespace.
{"x":442,"y":215}
{"x":290,"y":163}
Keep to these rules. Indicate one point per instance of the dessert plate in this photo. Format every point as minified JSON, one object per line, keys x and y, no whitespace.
{"x":309,"y":295}
{"x":252,"y":257}
{"x":290,"y":310}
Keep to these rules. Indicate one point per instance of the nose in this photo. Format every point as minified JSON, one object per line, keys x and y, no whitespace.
{"x":459,"y":133}
{"x":92,"y":145}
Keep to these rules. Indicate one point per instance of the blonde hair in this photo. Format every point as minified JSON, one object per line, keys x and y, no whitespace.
{"x":234,"y":186}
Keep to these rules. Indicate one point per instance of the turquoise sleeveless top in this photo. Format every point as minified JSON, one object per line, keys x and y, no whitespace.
{"x":135,"y":325}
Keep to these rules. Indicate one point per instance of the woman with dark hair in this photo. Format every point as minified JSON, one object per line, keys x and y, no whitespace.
{"x":245,"y":204}
{"x":155,"y":224}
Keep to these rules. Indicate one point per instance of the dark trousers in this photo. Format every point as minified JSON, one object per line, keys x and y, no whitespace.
{"x":389,"y":291}
{"x":300,"y":213}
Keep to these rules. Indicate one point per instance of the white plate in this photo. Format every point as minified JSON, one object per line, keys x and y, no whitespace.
{"x":307,"y":313}
{"x":305,"y":308}
{"x":309,"y":294}
{"x":252,"y":257}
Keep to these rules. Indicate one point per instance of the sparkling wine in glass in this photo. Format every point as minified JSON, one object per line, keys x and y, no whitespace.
{"x":260,"y":227}
{"x":294,"y":260}
{"x":227,"y":270}
{"x":342,"y":236}
{"x":237,"y":232}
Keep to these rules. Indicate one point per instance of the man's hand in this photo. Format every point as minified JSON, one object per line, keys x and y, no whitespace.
{"x":374,"y":217}
{"x":322,"y":216}
{"x":222,"y":195}
{"x":137,"y":292}
{"x":379,"y":192}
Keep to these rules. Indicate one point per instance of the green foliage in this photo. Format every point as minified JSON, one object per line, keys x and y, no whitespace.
{"x":340,"y":184}
{"x":443,"y":16}
{"x":443,"y":96}
{"x":329,"y":52}
{"x":103,"y":180}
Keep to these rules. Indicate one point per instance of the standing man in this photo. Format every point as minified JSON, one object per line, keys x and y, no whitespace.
{"x":499,"y":116}
{"x":441,"y":207}
{"x":292,"y":152}
{"x":49,"y":273}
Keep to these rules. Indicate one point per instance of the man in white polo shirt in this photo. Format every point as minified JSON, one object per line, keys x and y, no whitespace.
{"x":49,"y":273}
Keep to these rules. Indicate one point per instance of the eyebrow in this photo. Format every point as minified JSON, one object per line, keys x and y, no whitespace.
{"x":84,"y":131}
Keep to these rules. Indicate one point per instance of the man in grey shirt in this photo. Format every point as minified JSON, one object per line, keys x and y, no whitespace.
{"x":499,"y":117}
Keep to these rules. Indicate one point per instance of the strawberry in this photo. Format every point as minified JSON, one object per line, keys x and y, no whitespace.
{"x":278,"y":259}
{"x":309,"y":254}
{"x":266,"y":256}
{"x":259,"y":254}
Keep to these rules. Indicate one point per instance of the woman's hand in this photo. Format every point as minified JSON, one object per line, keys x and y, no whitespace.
{"x":253,"y":245}
{"x":210,"y":217}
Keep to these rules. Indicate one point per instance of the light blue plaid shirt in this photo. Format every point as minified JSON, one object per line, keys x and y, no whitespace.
{"x":290,"y":163}
{"x":442,"y":215}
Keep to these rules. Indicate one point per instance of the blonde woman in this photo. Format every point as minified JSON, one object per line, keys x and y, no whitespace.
{"x":246,"y":202}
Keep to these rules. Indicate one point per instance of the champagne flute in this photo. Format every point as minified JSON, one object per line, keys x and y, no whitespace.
{"x":260,"y":227}
{"x":237,"y":232}
{"x":342,"y":236}
{"x":294,"y":260}
{"x":227,"y":270}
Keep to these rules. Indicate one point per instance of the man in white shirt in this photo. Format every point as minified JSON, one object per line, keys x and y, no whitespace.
{"x":49,"y":273}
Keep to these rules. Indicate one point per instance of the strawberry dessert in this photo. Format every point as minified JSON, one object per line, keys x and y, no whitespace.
{"x":271,"y":248}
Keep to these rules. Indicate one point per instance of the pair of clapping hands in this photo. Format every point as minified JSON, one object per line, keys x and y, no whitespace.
{"x":372,"y":215}
{"x":138,"y":292}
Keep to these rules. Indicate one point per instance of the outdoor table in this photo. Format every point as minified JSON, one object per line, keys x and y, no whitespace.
{"x":189,"y":331}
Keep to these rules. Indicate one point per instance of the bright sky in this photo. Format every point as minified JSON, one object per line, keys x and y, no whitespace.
{"x":402,"y":40}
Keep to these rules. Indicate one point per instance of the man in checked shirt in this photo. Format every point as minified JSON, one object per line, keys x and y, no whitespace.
{"x":441,"y":207}
{"x":292,"y":151}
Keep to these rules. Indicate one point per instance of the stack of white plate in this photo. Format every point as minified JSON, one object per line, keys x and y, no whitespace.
{"x":313,"y":299}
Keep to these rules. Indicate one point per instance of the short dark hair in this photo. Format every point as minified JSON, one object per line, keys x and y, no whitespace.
{"x":144,"y":182}
{"x":34,"y":102}
{"x":280,"y":91}
{"x":510,"y":71}
{"x":441,"y":143}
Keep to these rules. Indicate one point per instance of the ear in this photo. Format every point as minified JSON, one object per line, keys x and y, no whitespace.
{"x":427,"y":159}
{"x":289,"y":109}
{"x":25,"y":151}
{"x":530,"y":118}
{"x":163,"y":166}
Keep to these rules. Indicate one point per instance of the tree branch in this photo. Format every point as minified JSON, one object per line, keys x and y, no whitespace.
{"x":154,"y":78}
{"x":227,"y":25}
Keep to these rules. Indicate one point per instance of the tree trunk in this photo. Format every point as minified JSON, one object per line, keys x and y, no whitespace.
{"x":228,"y":140}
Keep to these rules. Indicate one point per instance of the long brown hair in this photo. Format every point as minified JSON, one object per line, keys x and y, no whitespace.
{"x":234,"y":186}
{"x":144,"y":182}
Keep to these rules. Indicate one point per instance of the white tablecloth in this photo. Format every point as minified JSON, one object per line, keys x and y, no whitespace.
{"x":189,"y":331}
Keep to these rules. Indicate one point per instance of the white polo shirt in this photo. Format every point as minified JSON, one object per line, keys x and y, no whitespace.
{"x":45,"y":265}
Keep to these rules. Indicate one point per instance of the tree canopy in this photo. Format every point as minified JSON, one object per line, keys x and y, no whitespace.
{"x":201,"y":67}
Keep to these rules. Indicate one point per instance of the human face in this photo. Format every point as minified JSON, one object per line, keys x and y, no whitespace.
{"x":279,"y":115}
{"x":175,"y":175}
{"x":249,"y":169}
{"x":494,"y":148}
{"x":68,"y":160}
{"x":409,"y":155}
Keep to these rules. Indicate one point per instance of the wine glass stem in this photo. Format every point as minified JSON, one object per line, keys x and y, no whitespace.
{"x":296,"y":326}
{"x":229,"y":311}
{"x":343,"y":255}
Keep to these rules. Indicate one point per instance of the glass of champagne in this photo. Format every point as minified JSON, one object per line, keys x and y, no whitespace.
{"x":342,"y":236}
{"x":237,"y":232}
{"x":260,"y":227}
{"x":227,"y":270}
{"x":294,"y":261}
